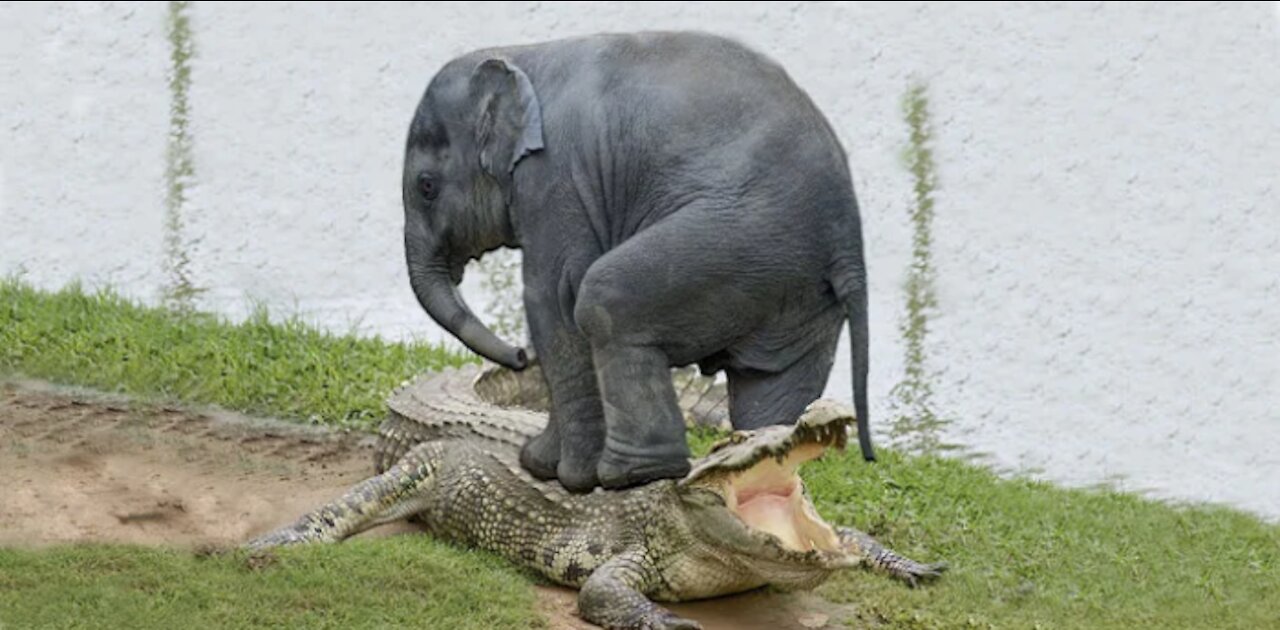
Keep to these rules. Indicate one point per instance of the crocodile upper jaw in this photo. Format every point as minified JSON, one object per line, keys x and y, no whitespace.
{"x":756,"y":474}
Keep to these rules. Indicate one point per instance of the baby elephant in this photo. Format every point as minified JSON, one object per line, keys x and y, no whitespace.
{"x":678,"y":199}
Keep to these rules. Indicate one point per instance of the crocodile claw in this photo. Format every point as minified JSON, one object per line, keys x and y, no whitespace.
{"x":667,"y":620}
{"x":879,"y":557}
{"x":916,"y":573}
{"x":282,"y":537}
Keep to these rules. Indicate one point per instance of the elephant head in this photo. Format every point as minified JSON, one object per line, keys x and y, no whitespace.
{"x":473,"y":126}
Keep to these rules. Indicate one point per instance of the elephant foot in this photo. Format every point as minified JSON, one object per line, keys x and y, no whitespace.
{"x":621,"y":468}
{"x":580,"y":446}
{"x":541,"y":455}
{"x":578,"y":477}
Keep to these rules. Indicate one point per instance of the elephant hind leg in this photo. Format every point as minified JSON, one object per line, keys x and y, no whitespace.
{"x":758,"y":399}
{"x":645,"y":430}
{"x":670,"y":295}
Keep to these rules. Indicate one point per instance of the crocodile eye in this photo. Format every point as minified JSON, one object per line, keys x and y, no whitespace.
{"x":737,"y":437}
{"x":428,"y":187}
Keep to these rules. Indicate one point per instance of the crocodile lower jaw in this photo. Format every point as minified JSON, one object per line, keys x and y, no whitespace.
{"x":769,"y":497}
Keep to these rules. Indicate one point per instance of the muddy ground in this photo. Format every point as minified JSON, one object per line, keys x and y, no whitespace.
{"x":78,"y":466}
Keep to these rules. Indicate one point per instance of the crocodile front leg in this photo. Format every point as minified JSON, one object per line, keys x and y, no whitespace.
{"x":877,"y":556}
{"x":612,"y":598}
{"x":390,"y":496}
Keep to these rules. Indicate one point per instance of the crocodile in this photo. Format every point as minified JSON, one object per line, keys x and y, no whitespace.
{"x":741,"y":519}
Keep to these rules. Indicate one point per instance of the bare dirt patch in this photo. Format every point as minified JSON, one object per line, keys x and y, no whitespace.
{"x":758,"y":610}
{"x":79,"y":466}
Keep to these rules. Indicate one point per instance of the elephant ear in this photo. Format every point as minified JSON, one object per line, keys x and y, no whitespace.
{"x":509,"y":126}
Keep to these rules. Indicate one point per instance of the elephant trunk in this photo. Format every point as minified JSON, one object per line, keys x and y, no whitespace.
{"x":434,"y":287}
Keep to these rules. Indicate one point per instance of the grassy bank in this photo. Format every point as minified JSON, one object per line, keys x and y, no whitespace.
{"x":397,"y":582}
{"x":287,"y":369}
{"x":1023,"y":554}
{"x":1027,"y":554}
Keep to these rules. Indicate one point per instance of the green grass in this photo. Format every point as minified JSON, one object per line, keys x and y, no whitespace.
{"x":1026,"y":554}
{"x":397,"y":582}
{"x":1023,"y":554}
{"x":284,"y":369}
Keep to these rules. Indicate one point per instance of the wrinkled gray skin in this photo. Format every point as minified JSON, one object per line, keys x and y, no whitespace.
{"x":679,"y":200}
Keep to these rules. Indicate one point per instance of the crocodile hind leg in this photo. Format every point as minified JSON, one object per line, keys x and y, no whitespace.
{"x":612,"y":598}
{"x":877,"y":556}
{"x":390,"y":496}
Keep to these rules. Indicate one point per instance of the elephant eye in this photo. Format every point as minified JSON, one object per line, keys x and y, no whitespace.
{"x":427,"y":187}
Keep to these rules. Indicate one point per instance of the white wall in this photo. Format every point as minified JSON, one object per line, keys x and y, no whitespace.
{"x":1107,"y":232}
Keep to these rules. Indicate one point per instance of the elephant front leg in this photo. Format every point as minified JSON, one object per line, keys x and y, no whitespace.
{"x":569,"y":448}
{"x":541,"y":454}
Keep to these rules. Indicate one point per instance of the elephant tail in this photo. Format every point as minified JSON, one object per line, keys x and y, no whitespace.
{"x":854,"y":296}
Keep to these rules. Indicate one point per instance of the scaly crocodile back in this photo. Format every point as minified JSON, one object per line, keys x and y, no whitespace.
{"x":504,"y":408}
{"x":442,"y":405}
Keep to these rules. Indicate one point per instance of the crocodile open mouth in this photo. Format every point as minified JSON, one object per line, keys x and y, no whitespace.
{"x":769,"y":497}
{"x":757,"y":474}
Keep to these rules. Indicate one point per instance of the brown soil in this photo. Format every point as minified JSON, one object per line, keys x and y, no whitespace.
{"x":759,"y":610}
{"x":83,"y":467}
